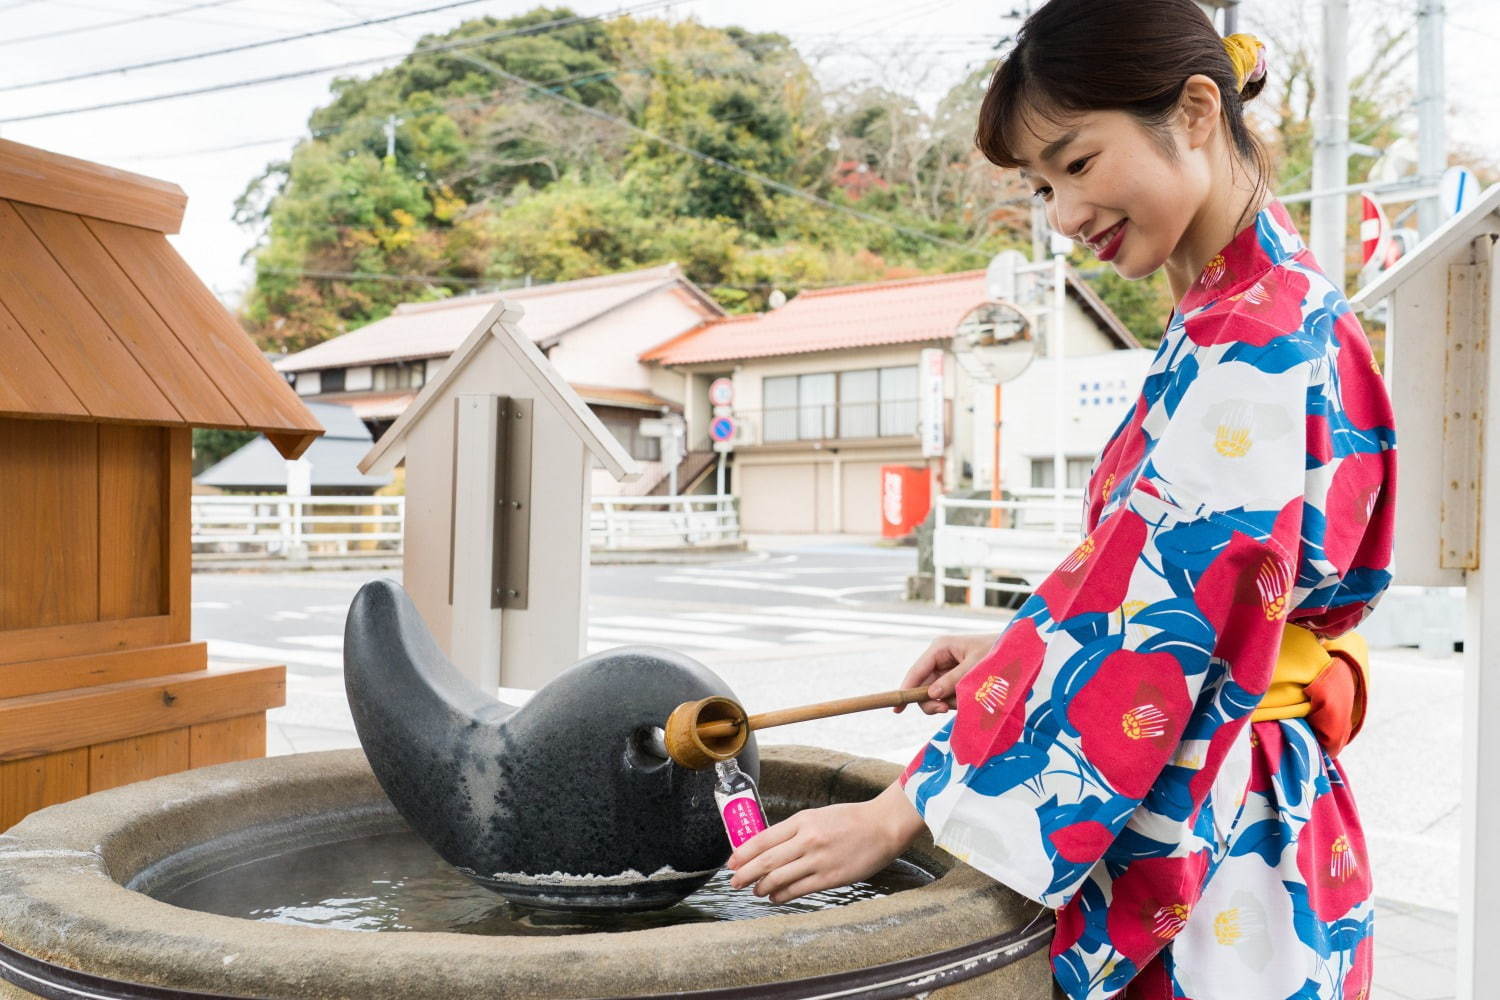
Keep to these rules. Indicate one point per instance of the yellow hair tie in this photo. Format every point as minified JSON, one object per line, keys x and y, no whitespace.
{"x":1248,"y":57}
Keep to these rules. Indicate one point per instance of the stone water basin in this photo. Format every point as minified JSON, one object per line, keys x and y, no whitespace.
{"x":80,"y":917}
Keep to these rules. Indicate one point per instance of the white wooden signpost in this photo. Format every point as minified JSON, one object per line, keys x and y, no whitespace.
{"x":1444,"y":378}
{"x":498,"y":452}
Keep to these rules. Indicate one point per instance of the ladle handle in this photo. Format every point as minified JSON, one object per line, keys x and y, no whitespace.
{"x":822,"y":710}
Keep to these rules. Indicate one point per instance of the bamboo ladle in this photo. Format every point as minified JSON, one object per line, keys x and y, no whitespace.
{"x":698,"y":733}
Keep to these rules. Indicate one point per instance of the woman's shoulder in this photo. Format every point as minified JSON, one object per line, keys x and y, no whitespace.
{"x":1290,"y":305}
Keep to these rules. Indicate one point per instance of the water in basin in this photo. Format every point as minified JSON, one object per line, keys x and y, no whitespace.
{"x":395,"y":882}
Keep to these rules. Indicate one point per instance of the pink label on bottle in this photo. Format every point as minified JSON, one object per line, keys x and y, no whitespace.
{"x":742,"y":819}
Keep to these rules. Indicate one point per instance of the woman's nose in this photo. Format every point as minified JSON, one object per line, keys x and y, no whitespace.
{"x":1070,"y":217}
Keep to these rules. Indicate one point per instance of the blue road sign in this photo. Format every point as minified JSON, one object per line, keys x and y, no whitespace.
{"x":722,"y":429}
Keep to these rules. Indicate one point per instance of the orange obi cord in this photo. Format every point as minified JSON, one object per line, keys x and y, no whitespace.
{"x":1322,"y":681}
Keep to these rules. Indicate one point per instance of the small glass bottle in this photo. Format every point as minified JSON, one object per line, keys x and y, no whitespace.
{"x":739,"y":803}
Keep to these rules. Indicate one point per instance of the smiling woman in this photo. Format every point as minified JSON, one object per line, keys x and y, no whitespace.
{"x":1150,"y":747}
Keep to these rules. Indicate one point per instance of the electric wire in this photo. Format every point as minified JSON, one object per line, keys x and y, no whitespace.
{"x":101,"y":25}
{"x":244,"y":47}
{"x":450,"y":46}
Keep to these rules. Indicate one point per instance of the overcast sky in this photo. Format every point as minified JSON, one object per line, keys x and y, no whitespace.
{"x":213,"y":144}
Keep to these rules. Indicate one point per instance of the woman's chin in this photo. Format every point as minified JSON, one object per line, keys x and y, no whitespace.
{"x":1133,"y":270}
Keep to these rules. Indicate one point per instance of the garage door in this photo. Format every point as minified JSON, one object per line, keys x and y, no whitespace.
{"x":862,"y":497}
{"x":777,"y":498}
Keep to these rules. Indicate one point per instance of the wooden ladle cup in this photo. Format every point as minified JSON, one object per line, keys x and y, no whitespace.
{"x":698,"y":733}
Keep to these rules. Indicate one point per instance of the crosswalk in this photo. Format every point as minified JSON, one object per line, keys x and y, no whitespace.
{"x":769,"y":627}
{"x":763,"y":628}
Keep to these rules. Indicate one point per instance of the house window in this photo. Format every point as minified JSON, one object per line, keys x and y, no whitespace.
{"x":625,"y":425}
{"x":864,"y":403}
{"x":332,"y":380}
{"x":1078,"y":473}
{"x":400,"y":375}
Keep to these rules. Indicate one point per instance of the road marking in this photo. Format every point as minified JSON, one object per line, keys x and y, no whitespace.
{"x":818,"y":637}
{"x":847,"y":628}
{"x":678,"y":624}
{"x":226,"y":649}
{"x":748,"y":574}
{"x":316,"y":641}
{"x":663,"y":636}
{"x":699,"y":581}
{"x":210,"y":605}
{"x":288,"y":616}
{"x":327,"y":609}
{"x":931,"y":621}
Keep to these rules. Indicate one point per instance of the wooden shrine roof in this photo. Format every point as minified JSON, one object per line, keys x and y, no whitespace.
{"x":101,"y":319}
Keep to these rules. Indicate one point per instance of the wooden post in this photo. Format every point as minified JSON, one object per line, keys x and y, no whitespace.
{"x":476,"y":615}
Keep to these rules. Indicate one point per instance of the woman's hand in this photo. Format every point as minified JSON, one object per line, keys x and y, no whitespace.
{"x":822,"y":848}
{"x":943,"y":665}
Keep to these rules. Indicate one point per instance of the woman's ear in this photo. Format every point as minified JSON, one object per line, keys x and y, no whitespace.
{"x":1199,"y":109}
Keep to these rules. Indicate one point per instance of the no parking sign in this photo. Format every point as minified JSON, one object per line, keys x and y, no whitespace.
{"x":722,"y":429}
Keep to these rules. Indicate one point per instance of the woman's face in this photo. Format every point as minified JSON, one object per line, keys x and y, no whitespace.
{"x":1109,"y":184}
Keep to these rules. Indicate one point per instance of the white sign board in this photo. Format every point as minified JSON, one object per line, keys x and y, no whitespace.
{"x":930,"y":388}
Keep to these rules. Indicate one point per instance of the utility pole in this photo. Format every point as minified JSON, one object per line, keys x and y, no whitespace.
{"x":390,"y":135}
{"x":1432,"y":140}
{"x":1331,"y":144}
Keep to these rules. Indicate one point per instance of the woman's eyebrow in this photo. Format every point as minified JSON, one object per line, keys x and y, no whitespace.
{"x":1054,"y":147}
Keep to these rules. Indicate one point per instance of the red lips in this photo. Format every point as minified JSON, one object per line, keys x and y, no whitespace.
{"x":1116,"y":235}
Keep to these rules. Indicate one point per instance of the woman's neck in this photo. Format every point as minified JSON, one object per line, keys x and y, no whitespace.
{"x":1220,"y":219}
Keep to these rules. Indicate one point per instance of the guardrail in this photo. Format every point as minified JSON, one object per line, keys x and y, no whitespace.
{"x":1036,"y":533}
{"x":278,"y":526}
{"x":624,"y":523}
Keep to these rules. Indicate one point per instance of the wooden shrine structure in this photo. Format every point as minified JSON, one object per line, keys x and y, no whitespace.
{"x":111,"y":350}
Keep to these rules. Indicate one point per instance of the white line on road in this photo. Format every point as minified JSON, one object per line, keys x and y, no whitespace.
{"x":316,"y":641}
{"x":818,"y":636}
{"x":226,"y":649}
{"x":748,"y":574}
{"x":887,"y":627}
{"x":930,"y":621}
{"x":665,"y":637}
{"x":210,"y":605}
{"x":699,"y":581}
{"x":673,"y":624}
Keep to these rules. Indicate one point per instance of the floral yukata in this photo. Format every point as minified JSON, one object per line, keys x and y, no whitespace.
{"x":1102,"y":759}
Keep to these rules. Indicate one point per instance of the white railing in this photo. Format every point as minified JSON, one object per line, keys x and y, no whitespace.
{"x":1035,"y":533}
{"x":684,"y":522}
{"x":278,"y":526}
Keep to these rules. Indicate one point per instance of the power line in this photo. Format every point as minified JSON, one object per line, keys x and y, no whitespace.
{"x":101,"y":25}
{"x":173,"y":60}
{"x":298,"y":74}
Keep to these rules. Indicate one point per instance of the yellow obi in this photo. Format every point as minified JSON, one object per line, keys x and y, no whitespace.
{"x":1321,"y":680}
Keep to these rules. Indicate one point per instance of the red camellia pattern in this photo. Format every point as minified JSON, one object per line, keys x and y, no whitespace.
{"x":1331,"y":855}
{"x":993,"y":695}
{"x":1152,"y":902}
{"x":1130,"y":715}
{"x":1356,"y":488}
{"x":1094,"y":578}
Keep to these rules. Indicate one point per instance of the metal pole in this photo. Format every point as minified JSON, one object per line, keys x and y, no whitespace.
{"x":1432,"y":140}
{"x":1055,"y":346}
{"x":1331,"y":144}
{"x":995,"y":469}
{"x":721,"y":474}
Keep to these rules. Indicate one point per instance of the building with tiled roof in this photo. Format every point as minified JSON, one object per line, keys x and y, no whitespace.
{"x":592,"y":330}
{"x":826,"y":392}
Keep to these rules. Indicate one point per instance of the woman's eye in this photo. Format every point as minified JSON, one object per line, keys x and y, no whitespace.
{"x":1078,"y":165}
{"x":1042,"y":193}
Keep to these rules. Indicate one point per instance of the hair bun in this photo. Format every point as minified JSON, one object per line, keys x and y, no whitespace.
{"x":1247,"y":55}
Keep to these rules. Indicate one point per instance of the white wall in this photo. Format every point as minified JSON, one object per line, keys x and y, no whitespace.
{"x":605,"y":350}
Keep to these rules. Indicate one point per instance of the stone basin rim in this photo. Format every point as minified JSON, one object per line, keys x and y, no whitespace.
{"x":63,"y":901}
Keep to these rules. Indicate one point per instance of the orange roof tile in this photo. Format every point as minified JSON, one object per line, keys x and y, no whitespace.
{"x":902,"y":311}
{"x":100,"y":319}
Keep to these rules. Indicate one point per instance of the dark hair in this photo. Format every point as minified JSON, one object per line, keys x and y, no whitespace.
{"x":1074,"y":56}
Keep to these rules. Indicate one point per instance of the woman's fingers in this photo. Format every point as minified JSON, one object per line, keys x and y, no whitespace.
{"x":768,"y":838}
{"x":774,"y":883}
{"x":814,"y":882}
{"x":768,"y":860}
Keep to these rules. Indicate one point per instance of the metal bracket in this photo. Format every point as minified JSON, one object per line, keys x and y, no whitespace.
{"x":510,"y":583}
